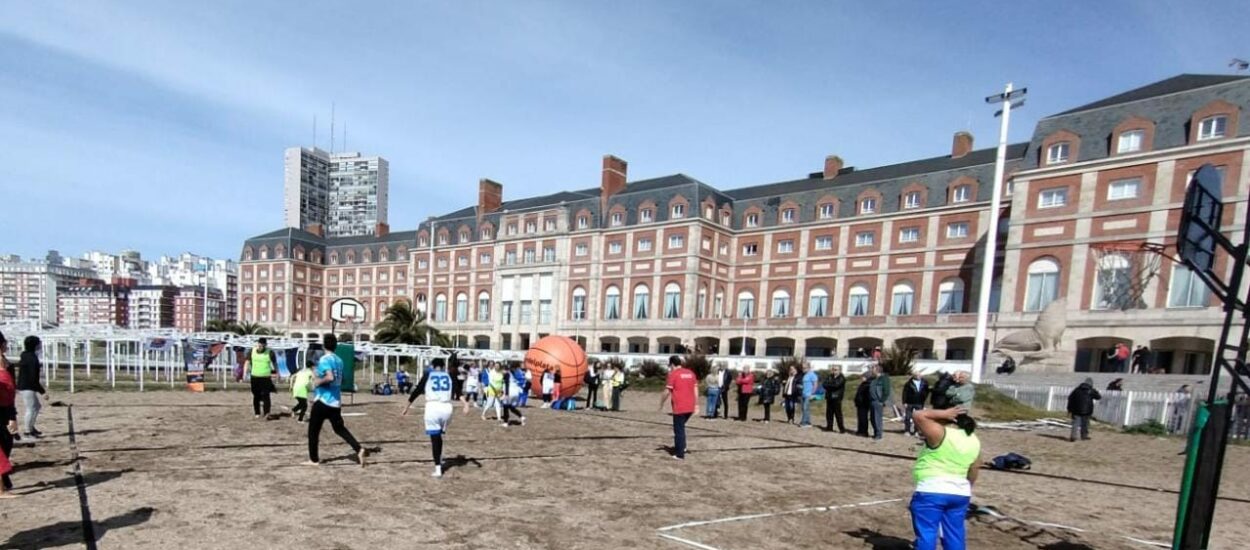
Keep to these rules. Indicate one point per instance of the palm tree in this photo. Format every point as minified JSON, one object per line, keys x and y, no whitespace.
{"x":401,"y":324}
{"x":222,"y":325}
{"x":248,"y":327}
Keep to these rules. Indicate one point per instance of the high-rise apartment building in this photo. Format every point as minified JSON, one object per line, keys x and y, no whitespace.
{"x":94,"y":304}
{"x":345,"y":194}
{"x":829,"y":264}
{"x":152,"y":306}
{"x":29,"y":289}
{"x":190,"y":308}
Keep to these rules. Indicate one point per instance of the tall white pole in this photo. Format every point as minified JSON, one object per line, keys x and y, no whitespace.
{"x":204,"y":326}
{"x":991,"y":243}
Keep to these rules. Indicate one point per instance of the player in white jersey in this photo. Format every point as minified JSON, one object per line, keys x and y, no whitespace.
{"x":436,"y":385}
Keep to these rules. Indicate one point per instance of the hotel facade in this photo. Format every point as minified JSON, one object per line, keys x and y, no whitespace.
{"x":838,"y":261}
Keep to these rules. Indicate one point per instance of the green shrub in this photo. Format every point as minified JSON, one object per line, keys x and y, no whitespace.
{"x":1149,"y":427}
{"x":783,"y":365}
{"x":651,"y":369}
{"x":698,"y":363}
{"x":898,"y":361}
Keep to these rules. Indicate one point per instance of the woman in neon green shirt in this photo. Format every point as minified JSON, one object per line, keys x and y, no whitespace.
{"x":945,"y":471}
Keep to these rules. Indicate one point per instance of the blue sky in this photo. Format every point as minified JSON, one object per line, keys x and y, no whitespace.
{"x":160,"y":126}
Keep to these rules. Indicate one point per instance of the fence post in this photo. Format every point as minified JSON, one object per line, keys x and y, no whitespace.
{"x":1050,"y":397}
{"x":1128,"y":409}
{"x":1163,"y":413}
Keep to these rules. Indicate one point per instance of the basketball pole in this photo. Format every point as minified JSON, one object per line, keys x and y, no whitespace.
{"x":991,"y":232}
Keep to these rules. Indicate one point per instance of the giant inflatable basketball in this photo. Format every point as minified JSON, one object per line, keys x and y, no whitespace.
{"x":559,"y":353}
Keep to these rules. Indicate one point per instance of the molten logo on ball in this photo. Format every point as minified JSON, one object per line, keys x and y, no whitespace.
{"x":564,"y":356}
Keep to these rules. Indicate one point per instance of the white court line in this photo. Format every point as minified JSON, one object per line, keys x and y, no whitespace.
{"x":1148,"y":542}
{"x":774,"y":514}
{"x":353,"y":414}
{"x":687,"y":542}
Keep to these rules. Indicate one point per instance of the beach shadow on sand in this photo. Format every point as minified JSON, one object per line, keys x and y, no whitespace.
{"x":880,"y":541}
{"x":68,"y":533}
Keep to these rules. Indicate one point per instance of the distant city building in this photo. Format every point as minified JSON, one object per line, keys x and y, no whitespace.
{"x":29,"y":289}
{"x":189,"y":309}
{"x":94,"y":303}
{"x":335,"y":194}
{"x":152,"y":306}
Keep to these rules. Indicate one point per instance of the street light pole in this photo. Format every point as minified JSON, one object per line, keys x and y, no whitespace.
{"x":991,"y":232}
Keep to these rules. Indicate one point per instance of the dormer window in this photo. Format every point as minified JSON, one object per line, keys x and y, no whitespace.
{"x":549,"y":225}
{"x":645,"y":215}
{"x":826,"y":211}
{"x":422,"y":241}
{"x":753,"y":220}
{"x":868,"y":206}
{"x":617,"y":219}
{"x":1130,"y":141}
{"x":724,"y":218}
{"x":583,"y":222}
{"x":707,"y":212}
{"x":1212,"y":127}
{"x":531,"y":227}
{"x":679,"y":211}
{"x":962,"y":193}
{"x":911,"y":200}
{"x":1058,"y":153}
{"x":512,"y":229}
{"x":485,"y":233}
{"x":464,"y":236}
{"x":787,"y":215}
{"x":442,"y":239}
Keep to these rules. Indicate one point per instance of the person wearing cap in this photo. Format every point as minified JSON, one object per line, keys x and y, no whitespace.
{"x":261,"y":364}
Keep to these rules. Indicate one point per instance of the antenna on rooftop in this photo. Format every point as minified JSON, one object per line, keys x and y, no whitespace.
{"x":331,"y":127}
{"x":314,"y":141}
{"x":344,"y":135}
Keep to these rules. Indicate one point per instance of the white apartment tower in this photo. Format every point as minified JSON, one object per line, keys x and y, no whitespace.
{"x":343,"y":193}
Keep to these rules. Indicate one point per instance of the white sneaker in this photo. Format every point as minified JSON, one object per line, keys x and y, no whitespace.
{"x":504,"y":424}
{"x":522,"y":420}
{"x":438,"y":472}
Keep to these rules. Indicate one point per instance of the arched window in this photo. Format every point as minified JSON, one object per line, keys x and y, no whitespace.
{"x":384,"y":255}
{"x":672,"y":301}
{"x":718,"y":306}
{"x":421,"y":302}
{"x":462,"y":307}
{"x":642,"y":297}
{"x":366,"y":256}
{"x":248,"y":254}
{"x":857,"y":303}
{"x":264,"y":252}
{"x":483,"y":306}
{"x":951,"y":296}
{"x":612,"y":303}
{"x":351,"y":256}
{"x":1113,"y":271}
{"x":316,"y":256}
{"x":903,"y":300}
{"x":579,"y":304}
{"x":299,"y":252}
{"x":701,"y":305}
{"x":440,"y":308}
{"x":334,"y":258}
{"x":781,"y":303}
{"x":1043,"y":285}
{"x":746,"y":305}
{"x":402,"y":253}
{"x":818,"y":302}
{"x":279,"y":251}
{"x":382,"y":307}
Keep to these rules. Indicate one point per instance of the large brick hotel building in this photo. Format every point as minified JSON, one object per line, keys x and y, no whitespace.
{"x":827,"y":264}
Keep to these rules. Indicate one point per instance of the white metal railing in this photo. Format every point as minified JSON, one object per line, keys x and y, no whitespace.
{"x":1128,"y":408}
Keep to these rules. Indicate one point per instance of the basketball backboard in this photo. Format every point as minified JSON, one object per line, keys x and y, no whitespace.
{"x":347,"y":310}
{"x":1200,"y":219}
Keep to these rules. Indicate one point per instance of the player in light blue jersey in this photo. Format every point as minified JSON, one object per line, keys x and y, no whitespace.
{"x":436,"y":385}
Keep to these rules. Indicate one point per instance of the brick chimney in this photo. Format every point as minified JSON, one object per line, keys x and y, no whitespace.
{"x":613,"y":179}
{"x":961,"y":145}
{"x":833,"y":164}
{"x":489,"y":196}
{"x":315,"y":229}
{"x":382,"y":229}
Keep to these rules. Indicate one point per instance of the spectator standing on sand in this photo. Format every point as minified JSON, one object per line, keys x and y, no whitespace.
{"x":261,"y":364}
{"x":514,"y":388}
{"x":8,"y":418}
{"x":937,"y":394}
{"x":591,"y":381}
{"x":683,"y":388}
{"x":618,"y":387}
{"x":768,"y":391}
{"x":746,"y":388}
{"x":810,"y":381}
{"x":945,"y":472}
{"x":472,"y":386}
{"x":548,"y":387}
{"x":1081,"y":407}
{"x":712,"y":381}
{"x":1180,"y":410}
{"x":493,"y":390}
{"x":961,"y":392}
{"x":863,"y":404}
{"x":879,"y":394}
{"x":835,"y":387}
{"x":726,"y":382}
{"x":328,"y":403}
{"x":605,"y":386}
{"x":791,"y":393}
{"x":28,"y":385}
{"x":915,"y":392}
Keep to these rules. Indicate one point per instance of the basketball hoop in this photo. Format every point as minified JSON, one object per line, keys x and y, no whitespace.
{"x":347,"y":310}
{"x":1124,"y":270}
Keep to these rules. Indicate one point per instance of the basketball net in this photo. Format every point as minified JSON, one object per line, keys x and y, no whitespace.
{"x":1123,"y":271}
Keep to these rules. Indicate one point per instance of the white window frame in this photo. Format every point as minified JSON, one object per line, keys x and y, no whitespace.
{"x":678,"y":211}
{"x":824,"y":242}
{"x":957,"y":230}
{"x":1053,"y":192}
{"x":676,"y":241}
{"x":644,"y":245}
{"x":962,"y":193}
{"x":826,"y":211}
{"x":583,"y":222}
{"x":615,"y":247}
{"x":865,"y":239}
{"x":868,"y":205}
{"x":906,"y":232}
{"x":1118,"y":195}
{"x":581,"y":249}
{"x":1059,"y":153}
{"x":646,"y":215}
{"x":1130,"y":141}
{"x":785,"y":246}
{"x":911,"y":200}
{"x":750,"y":249}
{"x":1206,"y":131}
{"x":617,"y":219}
{"x":753,"y":220}
{"x":787,"y":215}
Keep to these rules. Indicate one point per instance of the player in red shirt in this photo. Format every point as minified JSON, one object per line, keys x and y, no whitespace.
{"x":683,"y":389}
